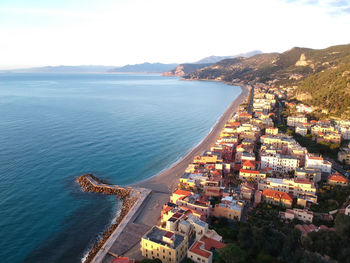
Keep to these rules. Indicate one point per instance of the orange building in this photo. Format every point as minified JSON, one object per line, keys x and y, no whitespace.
{"x":277,"y":197}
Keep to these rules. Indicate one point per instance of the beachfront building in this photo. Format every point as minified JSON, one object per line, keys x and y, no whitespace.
{"x":279,"y":163}
{"x":316,"y":162}
{"x":164,"y":245}
{"x":196,"y":204}
{"x":296,"y":213}
{"x":277,"y":198}
{"x":179,"y":194}
{"x":202,"y":250}
{"x":229,"y":208}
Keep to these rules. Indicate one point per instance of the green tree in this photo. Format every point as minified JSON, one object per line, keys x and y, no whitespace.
{"x":232,"y":254}
{"x":342,"y":226}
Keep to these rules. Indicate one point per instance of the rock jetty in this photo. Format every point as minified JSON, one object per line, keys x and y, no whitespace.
{"x":90,"y":183}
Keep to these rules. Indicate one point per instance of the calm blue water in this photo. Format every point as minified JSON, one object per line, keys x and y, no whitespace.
{"x":124,"y":128}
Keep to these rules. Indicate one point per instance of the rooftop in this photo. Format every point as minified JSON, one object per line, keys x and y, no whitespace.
{"x":156,"y":235}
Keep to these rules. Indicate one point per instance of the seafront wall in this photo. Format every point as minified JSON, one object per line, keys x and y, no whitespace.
{"x":90,"y":183}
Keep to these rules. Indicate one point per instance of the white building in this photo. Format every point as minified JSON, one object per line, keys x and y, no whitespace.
{"x":318,"y":163}
{"x":300,"y":214}
{"x":279,"y":162}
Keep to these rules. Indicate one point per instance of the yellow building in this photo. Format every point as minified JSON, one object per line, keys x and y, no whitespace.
{"x":271,"y":131}
{"x":164,"y":245}
{"x":229,"y":208}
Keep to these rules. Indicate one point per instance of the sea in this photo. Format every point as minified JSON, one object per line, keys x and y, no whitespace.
{"x":55,"y":127}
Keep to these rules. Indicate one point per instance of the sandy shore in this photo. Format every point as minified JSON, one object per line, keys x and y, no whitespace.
{"x":167,"y":180}
{"x":162,"y":185}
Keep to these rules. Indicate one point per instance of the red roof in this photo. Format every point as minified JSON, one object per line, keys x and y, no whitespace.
{"x":122,"y":260}
{"x":182,"y":192}
{"x":210,"y":243}
{"x":196,"y":248}
{"x":249,"y":171}
{"x":248,"y":163}
{"x":169,"y":234}
{"x":245,"y":114}
{"x":302,"y":181}
{"x":316,"y":158}
{"x":338,"y":178}
{"x":277,"y":194}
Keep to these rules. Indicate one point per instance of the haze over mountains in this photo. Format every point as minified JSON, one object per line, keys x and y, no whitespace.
{"x":136,"y":68}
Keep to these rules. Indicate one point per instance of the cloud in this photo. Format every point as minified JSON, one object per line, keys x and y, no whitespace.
{"x":45,"y":12}
{"x":331,"y":7}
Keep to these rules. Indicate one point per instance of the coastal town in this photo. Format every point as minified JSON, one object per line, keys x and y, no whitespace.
{"x":262,"y":169}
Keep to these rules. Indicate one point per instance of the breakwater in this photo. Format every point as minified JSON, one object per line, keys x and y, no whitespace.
{"x":90,"y":183}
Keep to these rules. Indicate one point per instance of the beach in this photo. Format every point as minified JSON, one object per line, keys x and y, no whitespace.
{"x":125,"y":240}
{"x":164,"y":183}
{"x":167,"y":180}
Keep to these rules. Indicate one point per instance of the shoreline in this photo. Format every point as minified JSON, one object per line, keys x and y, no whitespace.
{"x":158,"y":188}
{"x":165,"y":181}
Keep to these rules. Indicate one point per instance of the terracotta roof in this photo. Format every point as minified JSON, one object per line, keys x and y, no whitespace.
{"x":248,"y":163}
{"x":210,"y":243}
{"x":245,"y":114}
{"x":197,"y":249}
{"x":122,"y":260}
{"x":182,"y":192}
{"x":302,"y":181}
{"x":277,"y":194}
{"x":249,"y":171}
{"x":338,"y":178}
{"x":315,"y":158}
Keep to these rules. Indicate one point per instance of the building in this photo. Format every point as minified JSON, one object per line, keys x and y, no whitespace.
{"x":293,"y":186}
{"x":277,"y":198}
{"x":201,"y":250}
{"x":310,"y":174}
{"x":164,"y":245}
{"x":179,"y":194}
{"x":279,"y":162}
{"x":302,"y":108}
{"x":301,"y":130}
{"x":332,"y":137}
{"x":195,"y":203}
{"x":347,"y":210}
{"x":247,"y":175}
{"x":344,"y":155}
{"x":229,"y":208}
{"x":271,"y":131}
{"x":300,"y":214}
{"x":316,"y":162}
{"x":338,"y":179}
{"x":293,"y":121}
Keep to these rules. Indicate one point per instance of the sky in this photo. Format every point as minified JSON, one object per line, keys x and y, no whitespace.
{"x":119,"y":32}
